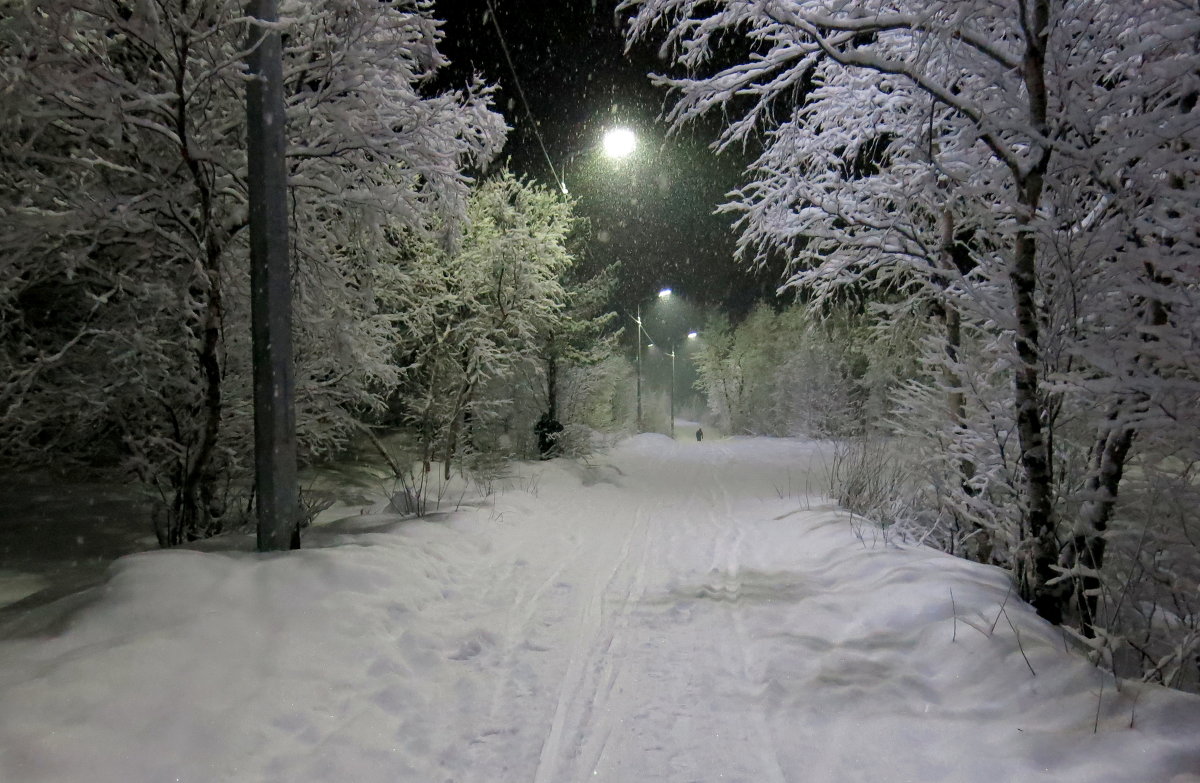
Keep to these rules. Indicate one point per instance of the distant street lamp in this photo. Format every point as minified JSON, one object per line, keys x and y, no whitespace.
{"x":663,"y":294}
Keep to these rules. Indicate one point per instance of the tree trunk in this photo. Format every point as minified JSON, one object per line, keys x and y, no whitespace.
{"x":552,"y":386}
{"x":956,"y":406}
{"x":194,"y":505}
{"x":428,"y":428}
{"x":1108,"y":465}
{"x":451,"y":443}
{"x":1036,"y":570}
{"x":1109,"y":455}
{"x":196,"y":492}
{"x":460,"y":405}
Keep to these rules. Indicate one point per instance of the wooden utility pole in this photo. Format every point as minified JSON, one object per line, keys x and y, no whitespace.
{"x":275,"y":483}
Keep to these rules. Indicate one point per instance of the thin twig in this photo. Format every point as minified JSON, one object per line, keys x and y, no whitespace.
{"x":954,"y":609}
{"x":1020,"y":646}
{"x":1002,"y":605}
{"x":982,"y":632}
{"x":461,"y":495}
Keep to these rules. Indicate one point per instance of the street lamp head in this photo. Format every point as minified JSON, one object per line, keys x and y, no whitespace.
{"x":664,"y":294}
{"x":619,"y":143}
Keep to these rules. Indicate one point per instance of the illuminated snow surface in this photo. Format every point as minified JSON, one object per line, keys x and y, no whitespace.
{"x":673,"y":612}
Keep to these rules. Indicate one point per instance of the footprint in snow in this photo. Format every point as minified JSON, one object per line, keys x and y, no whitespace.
{"x":472,"y":646}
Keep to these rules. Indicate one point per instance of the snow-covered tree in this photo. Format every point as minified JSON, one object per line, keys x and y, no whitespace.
{"x":801,"y":371}
{"x":472,"y":314}
{"x":597,"y":396}
{"x":583,"y":337}
{"x":1024,"y":171}
{"x":721,"y":376}
{"x":123,"y":195}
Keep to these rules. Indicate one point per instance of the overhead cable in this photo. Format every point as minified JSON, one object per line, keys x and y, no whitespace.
{"x":521,"y":92}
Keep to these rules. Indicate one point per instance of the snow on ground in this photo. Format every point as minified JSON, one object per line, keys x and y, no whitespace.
{"x":673,"y":612}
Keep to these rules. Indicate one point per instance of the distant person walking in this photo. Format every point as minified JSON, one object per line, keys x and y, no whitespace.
{"x":699,"y":434}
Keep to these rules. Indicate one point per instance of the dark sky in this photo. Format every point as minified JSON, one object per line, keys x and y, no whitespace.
{"x":651,"y":213}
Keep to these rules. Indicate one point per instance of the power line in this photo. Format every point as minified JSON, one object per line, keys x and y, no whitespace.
{"x":524,"y":101}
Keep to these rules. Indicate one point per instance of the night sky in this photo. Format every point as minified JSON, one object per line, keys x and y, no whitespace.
{"x":651,"y":213}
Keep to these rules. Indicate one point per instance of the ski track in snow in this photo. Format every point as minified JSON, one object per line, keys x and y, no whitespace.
{"x":675,"y":612}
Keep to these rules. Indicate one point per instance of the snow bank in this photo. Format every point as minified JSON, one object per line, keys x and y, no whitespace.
{"x":673,"y":612}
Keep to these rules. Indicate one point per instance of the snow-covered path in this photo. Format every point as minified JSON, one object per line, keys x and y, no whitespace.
{"x":631,"y":630}
{"x":675,"y":612}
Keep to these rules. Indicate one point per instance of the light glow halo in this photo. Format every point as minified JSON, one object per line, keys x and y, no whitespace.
{"x":619,"y":143}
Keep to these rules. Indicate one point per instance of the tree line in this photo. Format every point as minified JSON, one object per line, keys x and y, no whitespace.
{"x":425,"y":289}
{"x":1014,"y":184}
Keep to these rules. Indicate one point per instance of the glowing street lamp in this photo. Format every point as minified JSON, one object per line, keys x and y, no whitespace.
{"x":619,"y":143}
{"x":616,"y":144}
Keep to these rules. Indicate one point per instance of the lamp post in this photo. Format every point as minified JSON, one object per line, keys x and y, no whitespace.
{"x":639,"y":367}
{"x":665,"y":293}
{"x":671,"y":391}
{"x":641,"y":332}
